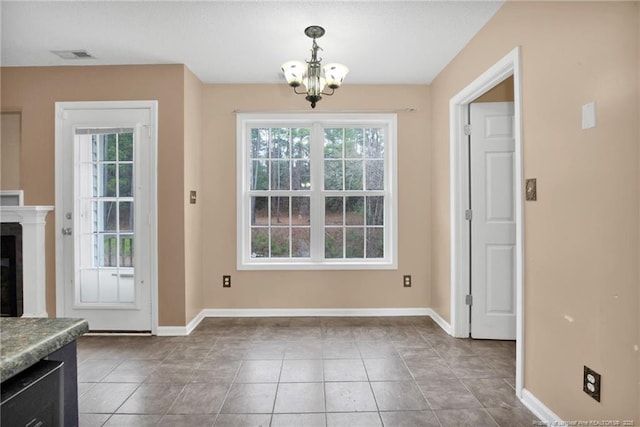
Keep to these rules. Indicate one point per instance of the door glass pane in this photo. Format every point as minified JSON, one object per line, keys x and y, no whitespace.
{"x":107,"y":250}
{"x":126,"y":251}
{"x":125,"y":147}
{"x":107,"y":147}
{"x":126,"y":216}
{"x":106,"y":179}
{"x":125,"y":180}
{"x":105,"y":217}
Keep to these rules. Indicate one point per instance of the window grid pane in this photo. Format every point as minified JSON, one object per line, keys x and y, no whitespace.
{"x":354,"y":165}
{"x":112,"y":201}
{"x":280,"y":226}
{"x":345,"y":227}
{"x":352,"y":173}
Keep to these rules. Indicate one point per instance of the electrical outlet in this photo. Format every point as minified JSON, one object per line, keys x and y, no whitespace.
{"x":406,"y":280}
{"x":591,"y":383}
{"x":226,"y":281}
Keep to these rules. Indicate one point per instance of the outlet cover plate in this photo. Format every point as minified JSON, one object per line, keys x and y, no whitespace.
{"x":591,"y":383}
{"x":406,"y":280}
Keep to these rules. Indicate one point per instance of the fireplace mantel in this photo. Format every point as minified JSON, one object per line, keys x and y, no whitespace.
{"x":32,"y":219}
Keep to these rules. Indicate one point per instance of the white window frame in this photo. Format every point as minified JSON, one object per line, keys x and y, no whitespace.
{"x":316,"y":121}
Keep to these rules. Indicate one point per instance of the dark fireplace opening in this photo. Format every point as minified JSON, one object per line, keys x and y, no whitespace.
{"x":11,"y":266}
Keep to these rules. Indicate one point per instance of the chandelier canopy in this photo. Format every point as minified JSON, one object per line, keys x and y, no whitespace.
{"x":311,"y":75}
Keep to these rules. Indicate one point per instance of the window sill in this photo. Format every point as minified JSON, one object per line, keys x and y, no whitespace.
{"x":327,"y":265}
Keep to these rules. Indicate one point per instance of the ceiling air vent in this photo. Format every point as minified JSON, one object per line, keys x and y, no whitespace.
{"x":73,"y":54}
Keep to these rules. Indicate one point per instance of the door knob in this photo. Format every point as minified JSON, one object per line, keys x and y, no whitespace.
{"x":66,"y":231}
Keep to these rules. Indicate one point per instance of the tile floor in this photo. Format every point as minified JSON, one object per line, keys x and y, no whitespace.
{"x":299,"y":372}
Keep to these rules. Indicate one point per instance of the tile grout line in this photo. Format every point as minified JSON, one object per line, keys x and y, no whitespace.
{"x":215,"y":420}
{"x":416,"y":381}
{"x":366,"y":371}
{"x":275,"y":397}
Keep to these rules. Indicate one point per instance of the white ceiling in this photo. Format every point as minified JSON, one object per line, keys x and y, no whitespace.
{"x":399,"y":42}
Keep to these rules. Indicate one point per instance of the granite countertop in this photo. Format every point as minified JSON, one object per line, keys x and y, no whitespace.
{"x":25,"y":341}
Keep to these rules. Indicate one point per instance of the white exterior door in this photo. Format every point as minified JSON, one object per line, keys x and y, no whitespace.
{"x":493,"y":224}
{"x":105,"y":197}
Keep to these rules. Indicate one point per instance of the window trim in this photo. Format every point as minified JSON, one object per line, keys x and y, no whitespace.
{"x":244,"y":121}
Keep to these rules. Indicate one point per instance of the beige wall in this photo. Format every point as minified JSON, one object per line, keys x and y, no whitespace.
{"x":193,"y":89}
{"x":503,"y":92}
{"x":34,"y":91}
{"x":314,"y":289}
{"x":581,"y":236}
{"x":10,"y":151}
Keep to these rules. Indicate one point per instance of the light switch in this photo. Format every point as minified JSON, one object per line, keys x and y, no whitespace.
{"x":589,"y":115}
{"x":531,"y":192}
{"x":192,"y":197}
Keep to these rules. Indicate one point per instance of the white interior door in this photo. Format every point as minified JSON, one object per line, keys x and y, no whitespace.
{"x":493,"y":225}
{"x":106,"y":173}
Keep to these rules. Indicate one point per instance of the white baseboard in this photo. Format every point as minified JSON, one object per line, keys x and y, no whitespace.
{"x":439,"y":320}
{"x":173,"y":331}
{"x":540,"y":410}
{"x":297,"y":312}
{"x":314,"y":312}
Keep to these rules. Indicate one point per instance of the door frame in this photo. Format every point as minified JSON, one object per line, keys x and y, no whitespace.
{"x":60,"y":113}
{"x":460,"y":268}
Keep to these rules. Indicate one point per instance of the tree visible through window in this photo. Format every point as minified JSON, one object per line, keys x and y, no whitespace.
{"x":317,"y":192}
{"x":112,"y":162}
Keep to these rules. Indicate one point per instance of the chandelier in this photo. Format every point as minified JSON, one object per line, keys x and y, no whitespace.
{"x":309,"y":75}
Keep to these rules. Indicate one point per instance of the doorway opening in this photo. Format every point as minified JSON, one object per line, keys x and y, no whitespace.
{"x":460,"y":193}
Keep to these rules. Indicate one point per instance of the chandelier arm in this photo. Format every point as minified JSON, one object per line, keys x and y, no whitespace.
{"x":329,"y":93}
{"x":298,"y":93}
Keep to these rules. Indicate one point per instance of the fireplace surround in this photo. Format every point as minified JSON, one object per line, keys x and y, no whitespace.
{"x":31,"y":221}
{"x":11,"y":269}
